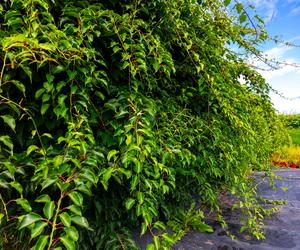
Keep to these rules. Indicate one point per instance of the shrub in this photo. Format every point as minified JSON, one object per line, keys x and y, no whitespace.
{"x":123,"y":113}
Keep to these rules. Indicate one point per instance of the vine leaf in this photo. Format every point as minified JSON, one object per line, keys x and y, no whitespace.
{"x":129,"y":203}
{"x":5,"y":139}
{"x":227,"y":2}
{"x":65,"y":219}
{"x":49,"y":209}
{"x":31,"y":148}
{"x":24,"y":204}
{"x":72,"y":233}
{"x":81,"y":221}
{"x":43,"y":198}
{"x":68,"y":243}
{"x":1,"y":217}
{"x":10,"y":121}
{"x":76,"y":197}
{"x":111,"y":153}
{"x":29,"y":219}
{"x":38,"y":229}
{"x":19,"y":85}
{"x":41,"y":243}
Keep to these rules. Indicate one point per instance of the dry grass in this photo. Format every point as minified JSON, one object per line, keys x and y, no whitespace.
{"x":289,"y":154}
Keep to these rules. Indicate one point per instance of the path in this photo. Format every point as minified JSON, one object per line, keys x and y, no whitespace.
{"x":282,"y":229}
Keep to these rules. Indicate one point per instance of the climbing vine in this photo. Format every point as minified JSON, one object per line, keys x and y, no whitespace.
{"x":117,"y":114}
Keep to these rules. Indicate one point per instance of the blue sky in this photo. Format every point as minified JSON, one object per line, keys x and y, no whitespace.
{"x":282,"y":18}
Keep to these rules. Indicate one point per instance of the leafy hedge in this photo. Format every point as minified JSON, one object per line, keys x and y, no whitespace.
{"x":290,"y":120}
{"x":116,"y":114}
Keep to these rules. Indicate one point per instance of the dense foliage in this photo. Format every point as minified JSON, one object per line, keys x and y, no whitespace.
{"x":292,"y":121}
{"x":116,"y":114}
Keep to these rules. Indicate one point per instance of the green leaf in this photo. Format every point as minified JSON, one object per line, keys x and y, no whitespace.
{"x":140,"y":197}
{"x":68,"y":243}
{"x":243,"y":229}
{"x":137,"y":167}
{"x":5,"y":139}
{"x":75,"y":209}
{"x":27,"y":70}
{"x":58,"y":69}
{"x":107,"y":174}
{"x":151,"y":247}
{"x":44,"y":108}
{"x":47,"y":135}
{"x":38,"y":229}
{"x":80,"y":221}
{"x":1,"y":217}
{"x":39,"y":93}
{"x":76,"y":197}
{"x":89,"y":175}
{"x":19,"y":85}
{"x":243,"y":17}
{"x":111,"y":154}
{"x":10,"y":121}
{"x":239,"y":7}
{"x":41,"y":243}
{"x":128,"y":140}
{"x":31,"y":148}
{"x":49,"y":209}
{"x":143,"y":228}
{"x":29,"y":219}
{"x":72,"y":233}
{"x":202,"y":227}
{"x":159,"y":225}
{"x":43,"y":198}
{"x":65,"y":219}
{"x":47,"y":183}
{"x":227,"y":2}
{"x":83,"y":188}
{"x":134,"y":182}
{"x":24,"y":204}
{"x":17,"y":186}
{"x":156,"y":242}
{"x":129,"y":203}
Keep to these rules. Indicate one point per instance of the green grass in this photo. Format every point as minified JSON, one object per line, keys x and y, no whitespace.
{"x":295,"y":135}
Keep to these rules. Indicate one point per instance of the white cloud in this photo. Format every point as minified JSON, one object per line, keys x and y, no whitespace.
{"x":295,"y":11}
{"x":269,"y":7}
{"x":279,"y":54}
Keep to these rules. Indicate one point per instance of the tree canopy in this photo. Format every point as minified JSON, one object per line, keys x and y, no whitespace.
{"x":116,"y":114}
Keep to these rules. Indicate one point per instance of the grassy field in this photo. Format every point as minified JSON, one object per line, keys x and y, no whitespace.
{"x":295,"y":135}
{"x":290,"y":154}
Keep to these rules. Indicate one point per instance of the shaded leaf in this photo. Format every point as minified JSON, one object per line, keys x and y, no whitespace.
{"x":38,"y":229}
{"x":5,"y":139}
{"x":24,"y":204}
{"x":129,"y":203}
{"x":17,"y":186}
{"x":10,"y":121}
